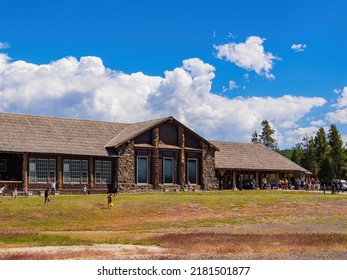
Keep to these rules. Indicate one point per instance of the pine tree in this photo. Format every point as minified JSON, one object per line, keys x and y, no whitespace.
{"x":255,"y":138}
{"x":309,"y":161}
{"x":337,"y":152}
{"x":266,"y":137}
{"x":322,"y":156}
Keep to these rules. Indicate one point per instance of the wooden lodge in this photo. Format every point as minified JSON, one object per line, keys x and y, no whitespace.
{"x":152,"y":155}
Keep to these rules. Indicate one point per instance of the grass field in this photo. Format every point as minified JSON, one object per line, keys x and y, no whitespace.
{"x":185,"y":225}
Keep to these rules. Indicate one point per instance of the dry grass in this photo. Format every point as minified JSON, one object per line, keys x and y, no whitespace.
{"x":249,"y":224}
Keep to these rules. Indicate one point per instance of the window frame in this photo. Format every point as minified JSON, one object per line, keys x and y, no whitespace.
{"x":137,"y":170}
{"x":70,"y":172}
{"x":47,"y":172}
{"x":172,"y":170}
{"x":196,"y":170}
{"x":100,"y":171}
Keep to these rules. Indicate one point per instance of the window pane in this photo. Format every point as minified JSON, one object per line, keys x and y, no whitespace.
{"x":41,"y":170}
{"x":66,"y":171}
{"x":98,"y":171}
{"x":142,"y":170}
{"x":32,"y":170}
{"x":192,"y":171}
{"x":106,"y":172}
{"x":84,"y":171}
{"x":51,"y":169}
{"x":168,"y":169}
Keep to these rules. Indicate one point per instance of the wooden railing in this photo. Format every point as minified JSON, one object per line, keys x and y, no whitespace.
{"x":11,"y":185}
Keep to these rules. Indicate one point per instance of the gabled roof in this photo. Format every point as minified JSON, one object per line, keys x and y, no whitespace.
{"x":38,"y":134}
{"x":249,"y":156}
{"x":133,"y":130}
{"x":53,"y":135}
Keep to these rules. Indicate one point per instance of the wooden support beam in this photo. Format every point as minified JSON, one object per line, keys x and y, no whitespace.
{"x":156,"y":158}
{"x":25,"y":171}
{"x":60,"y":172}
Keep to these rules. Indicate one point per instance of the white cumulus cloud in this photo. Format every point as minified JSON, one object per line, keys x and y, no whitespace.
{"x":249,"y":55}
{"x":85,"y":88}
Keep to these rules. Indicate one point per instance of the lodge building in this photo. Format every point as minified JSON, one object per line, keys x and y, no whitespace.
{"x":151,"y":155}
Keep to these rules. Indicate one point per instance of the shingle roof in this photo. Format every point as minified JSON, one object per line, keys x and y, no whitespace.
{"x":38,"y":134}
{"x":249,"y":156}
{"x":133,"y":130}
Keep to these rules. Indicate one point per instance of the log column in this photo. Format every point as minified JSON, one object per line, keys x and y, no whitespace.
{"x":182,"y":159}
{"x":60,"y":172}
{"x":156,"y":158}
{"x":91,"y":173}
{"x":234,"y":180}
{"x":25,"y":171}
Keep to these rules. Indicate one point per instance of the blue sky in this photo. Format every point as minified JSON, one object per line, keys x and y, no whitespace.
{"x":221,"y":67}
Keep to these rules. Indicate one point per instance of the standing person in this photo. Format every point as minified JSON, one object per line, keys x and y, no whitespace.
{"x":85,"y":190}
{"x":47,"y":199}
{"x":15,"y":193}
{"x":264,"y":183}
{"x":109,"y":201}
{"x":53,"y":186}
{"x":2,"y":189}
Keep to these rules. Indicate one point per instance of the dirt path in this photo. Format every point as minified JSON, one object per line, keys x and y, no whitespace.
{"x":96,"y":251}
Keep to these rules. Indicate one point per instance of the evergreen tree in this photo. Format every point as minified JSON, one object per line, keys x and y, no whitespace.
{"x":309,"y":161}
{"x":337,"y":152}
{"x":322,"y":155}
{"x":266,"y":137}
{"x":298,"y":154}
{"x":255,"y":138}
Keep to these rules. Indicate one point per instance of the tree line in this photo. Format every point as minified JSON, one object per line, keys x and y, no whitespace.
{"x":324,"y":154}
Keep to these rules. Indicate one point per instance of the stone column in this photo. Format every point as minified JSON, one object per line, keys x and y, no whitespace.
{"x":91,"y":173}
{"x":25,"y":170}
{"x":60,"y":172}
{"x":182,"y":157}
{"x":156,"y":158}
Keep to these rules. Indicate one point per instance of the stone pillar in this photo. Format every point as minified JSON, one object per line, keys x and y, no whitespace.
{"x":60,"y":172}
{"x":126,"y":167}
{"x":257,"y":180}
{"x":156,"y":158}
{"x":209,"y":180}
{"x":91,"y":173}
{"x":25,"y":170}
{"x":277,"y":179}
{"x":182,"y":157}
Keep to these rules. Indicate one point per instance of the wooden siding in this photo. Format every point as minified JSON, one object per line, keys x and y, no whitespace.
{"x":168,"y":133}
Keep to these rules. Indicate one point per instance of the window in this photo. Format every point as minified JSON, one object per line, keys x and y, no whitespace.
{"x":42,"y":170}
{"x":168,"y":171}
{"x":142,"y":170}
{"x":3,"y":165}
{"x":103,"y":172}
{"x":192,"y":171}
{"x":75,"y":171}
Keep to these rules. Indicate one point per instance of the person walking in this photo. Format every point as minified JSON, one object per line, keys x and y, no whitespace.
{"x":109,"y":201}
{"x":47,"y":198}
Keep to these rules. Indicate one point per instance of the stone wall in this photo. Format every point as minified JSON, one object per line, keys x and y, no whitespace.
{"x":209,"y":180}
{"x":126,"y":167}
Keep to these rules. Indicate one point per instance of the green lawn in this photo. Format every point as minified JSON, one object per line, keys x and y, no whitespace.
{"x":217,"y":223}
